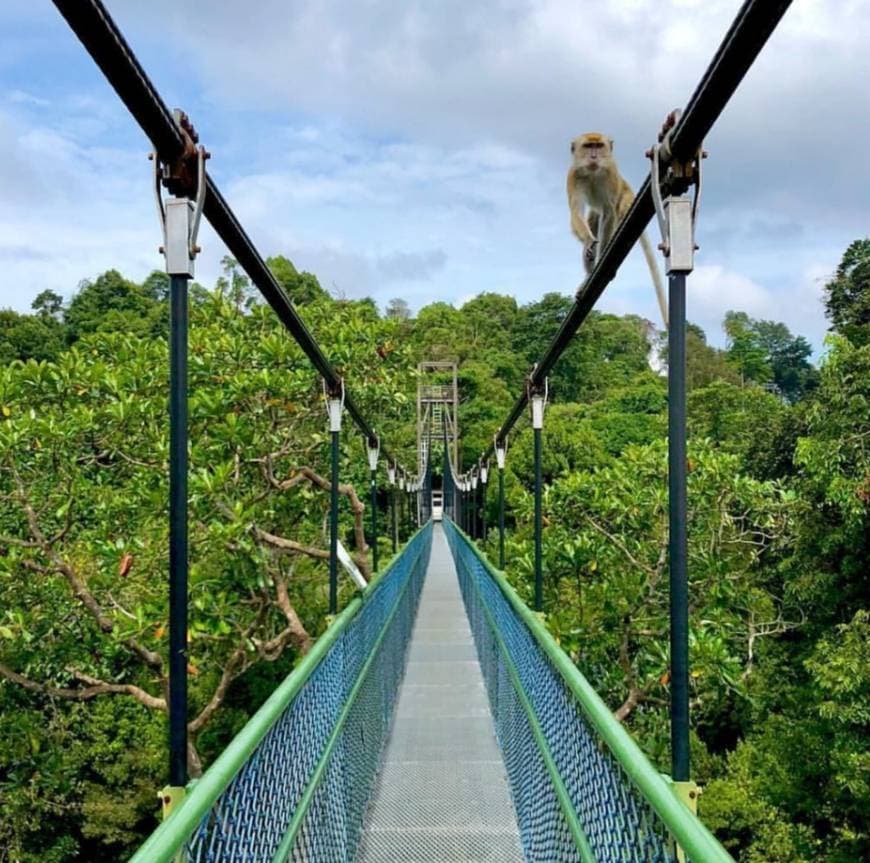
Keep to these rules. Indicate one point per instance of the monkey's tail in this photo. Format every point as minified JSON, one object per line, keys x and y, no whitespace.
{"x":653,"y":265}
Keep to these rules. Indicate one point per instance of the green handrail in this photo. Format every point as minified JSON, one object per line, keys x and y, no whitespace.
{"x":168,"y":839}
{"x":686,"y":828}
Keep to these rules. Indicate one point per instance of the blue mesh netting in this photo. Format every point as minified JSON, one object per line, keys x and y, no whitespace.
{"x":618,"y":822}
{"x":249,"y":820}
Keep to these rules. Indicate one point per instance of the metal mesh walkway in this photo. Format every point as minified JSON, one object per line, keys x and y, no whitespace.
{"x":442,"y":792}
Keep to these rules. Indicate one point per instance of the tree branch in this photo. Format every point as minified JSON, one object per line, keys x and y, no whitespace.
{"x":94,"y":688}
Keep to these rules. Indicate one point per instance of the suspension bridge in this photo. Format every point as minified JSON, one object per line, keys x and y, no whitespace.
{"x":436,"y":718}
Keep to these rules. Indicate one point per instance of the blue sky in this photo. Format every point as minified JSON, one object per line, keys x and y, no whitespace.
{"x":413,"y":149}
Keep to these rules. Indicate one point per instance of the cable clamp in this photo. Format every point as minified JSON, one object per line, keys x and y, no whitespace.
{"x":677,"y":214}
{"x":500,"y":452}
{"x":334,"y":396}
{"x":180,"y":217}
{"x":537,"y":396}
{"x":373,"y":449}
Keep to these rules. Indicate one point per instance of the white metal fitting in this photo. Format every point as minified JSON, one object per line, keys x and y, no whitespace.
{"x":538,"y":411}
{"x":179,"y":219}
{"x":474,"y":480}
{"x":537,"y":401}
{"x":679,"y":239}
{"x":334,"y":406}
{"x":484,"y":473}
{"x":391,"y":473}
{"x":676,"y":215}
{"x":401,"y":482}
{"x":373,"y":453}
{"x":334,"y":409}
{"x":500,"y":454}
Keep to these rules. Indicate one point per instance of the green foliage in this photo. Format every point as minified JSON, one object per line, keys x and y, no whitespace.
{"x":83,"y":490}
{"x":29,"y":336}
{"x":778,"y":536}
{"x":766,"y":352}
{"x":302,"y":288}
{"x":847,"y":295}
{"x":112,"y":303}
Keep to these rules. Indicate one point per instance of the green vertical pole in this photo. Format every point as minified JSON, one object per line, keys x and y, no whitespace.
{"x":335,"y":405}
{"x":677,"y":520}
{"x":393,"y":516}
{"x":484,"y":475}
{"x":537,"y":401}
{"x":373,"y":448}
{"x":178,"y":545}
{"x":374,"y":520}
{"x":501,"y":518}
{"x":539,"y":525}
{"x":333,"y":528}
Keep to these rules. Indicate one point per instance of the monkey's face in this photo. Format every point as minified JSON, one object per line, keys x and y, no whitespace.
{"x":592,"y":152}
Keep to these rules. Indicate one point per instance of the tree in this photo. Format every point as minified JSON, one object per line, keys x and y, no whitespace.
{"x":744,"y":348}
{"x":112,"y":303}
{"x":235,"y":285}
{"x":26,"y":337}
{"x":302,"y":288}
{"x":398,"y":309}
{"x":766,"y":352}
{"x":704,"y":363}
{"x":48,"y":304}
{"x":84,"y":543}
{"x":606,"y":593}
{"x":847,"y":295}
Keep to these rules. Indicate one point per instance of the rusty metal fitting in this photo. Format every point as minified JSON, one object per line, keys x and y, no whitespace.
{"x":180,"y":175}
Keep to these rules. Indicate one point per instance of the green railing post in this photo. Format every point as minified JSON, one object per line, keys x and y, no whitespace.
{"x":178,"y":550}
{"x":335,"y":405}
{"x":676,"y":218}
{"x":537,"y":401}
{"x":475,"y":514}
{"x":484,"y":475}
{"x":500,"y":454}
{"x":677,"y":514}
{"x":374,"y":449}
{"x":179,"y":218}
{"x":394,"y":525}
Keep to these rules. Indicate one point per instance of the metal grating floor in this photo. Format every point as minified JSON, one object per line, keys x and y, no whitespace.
{"x":442,"y":792}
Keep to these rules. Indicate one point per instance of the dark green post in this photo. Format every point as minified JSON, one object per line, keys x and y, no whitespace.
{"x":178,"y":550}
{"x":500,"y":453}
{"x":391,"y":475}
{"x":374,"y":449}
{"x":537,"y":402}
{"x":677,"y":521}
{"x":484,"y":475}
{"x":335,"y":406}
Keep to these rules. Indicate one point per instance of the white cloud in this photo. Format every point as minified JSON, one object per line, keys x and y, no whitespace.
{"x":418,"y":149}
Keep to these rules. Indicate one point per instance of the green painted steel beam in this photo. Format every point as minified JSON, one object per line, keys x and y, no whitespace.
{"x":169,"y":838}
{"x":688,"y":831}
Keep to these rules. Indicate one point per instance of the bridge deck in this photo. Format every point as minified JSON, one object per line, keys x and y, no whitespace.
{"x":442,"y":792}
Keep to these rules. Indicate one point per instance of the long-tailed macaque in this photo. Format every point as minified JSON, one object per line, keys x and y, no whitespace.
{"x":599,"y":197}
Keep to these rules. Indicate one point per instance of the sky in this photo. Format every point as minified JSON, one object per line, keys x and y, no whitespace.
{"x":413,"y":149}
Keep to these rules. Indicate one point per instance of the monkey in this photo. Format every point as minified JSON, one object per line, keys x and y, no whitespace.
{"x":595,"y":184}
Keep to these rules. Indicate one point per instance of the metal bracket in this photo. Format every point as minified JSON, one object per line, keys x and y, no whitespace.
{"x":373,"y":448}
{"x":688,"y":793}
{"x":537,"y":399}
{"x":170,"y":797}
{"x":500,"y":452}
{"x":676,"y":214}
{"x":334,"y":404}
{"x":179,"y":217}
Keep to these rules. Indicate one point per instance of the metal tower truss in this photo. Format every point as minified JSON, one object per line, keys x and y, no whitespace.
{"x":437,"y":408}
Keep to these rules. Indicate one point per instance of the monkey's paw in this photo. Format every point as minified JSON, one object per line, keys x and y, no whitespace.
{"x":590,"y":255}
